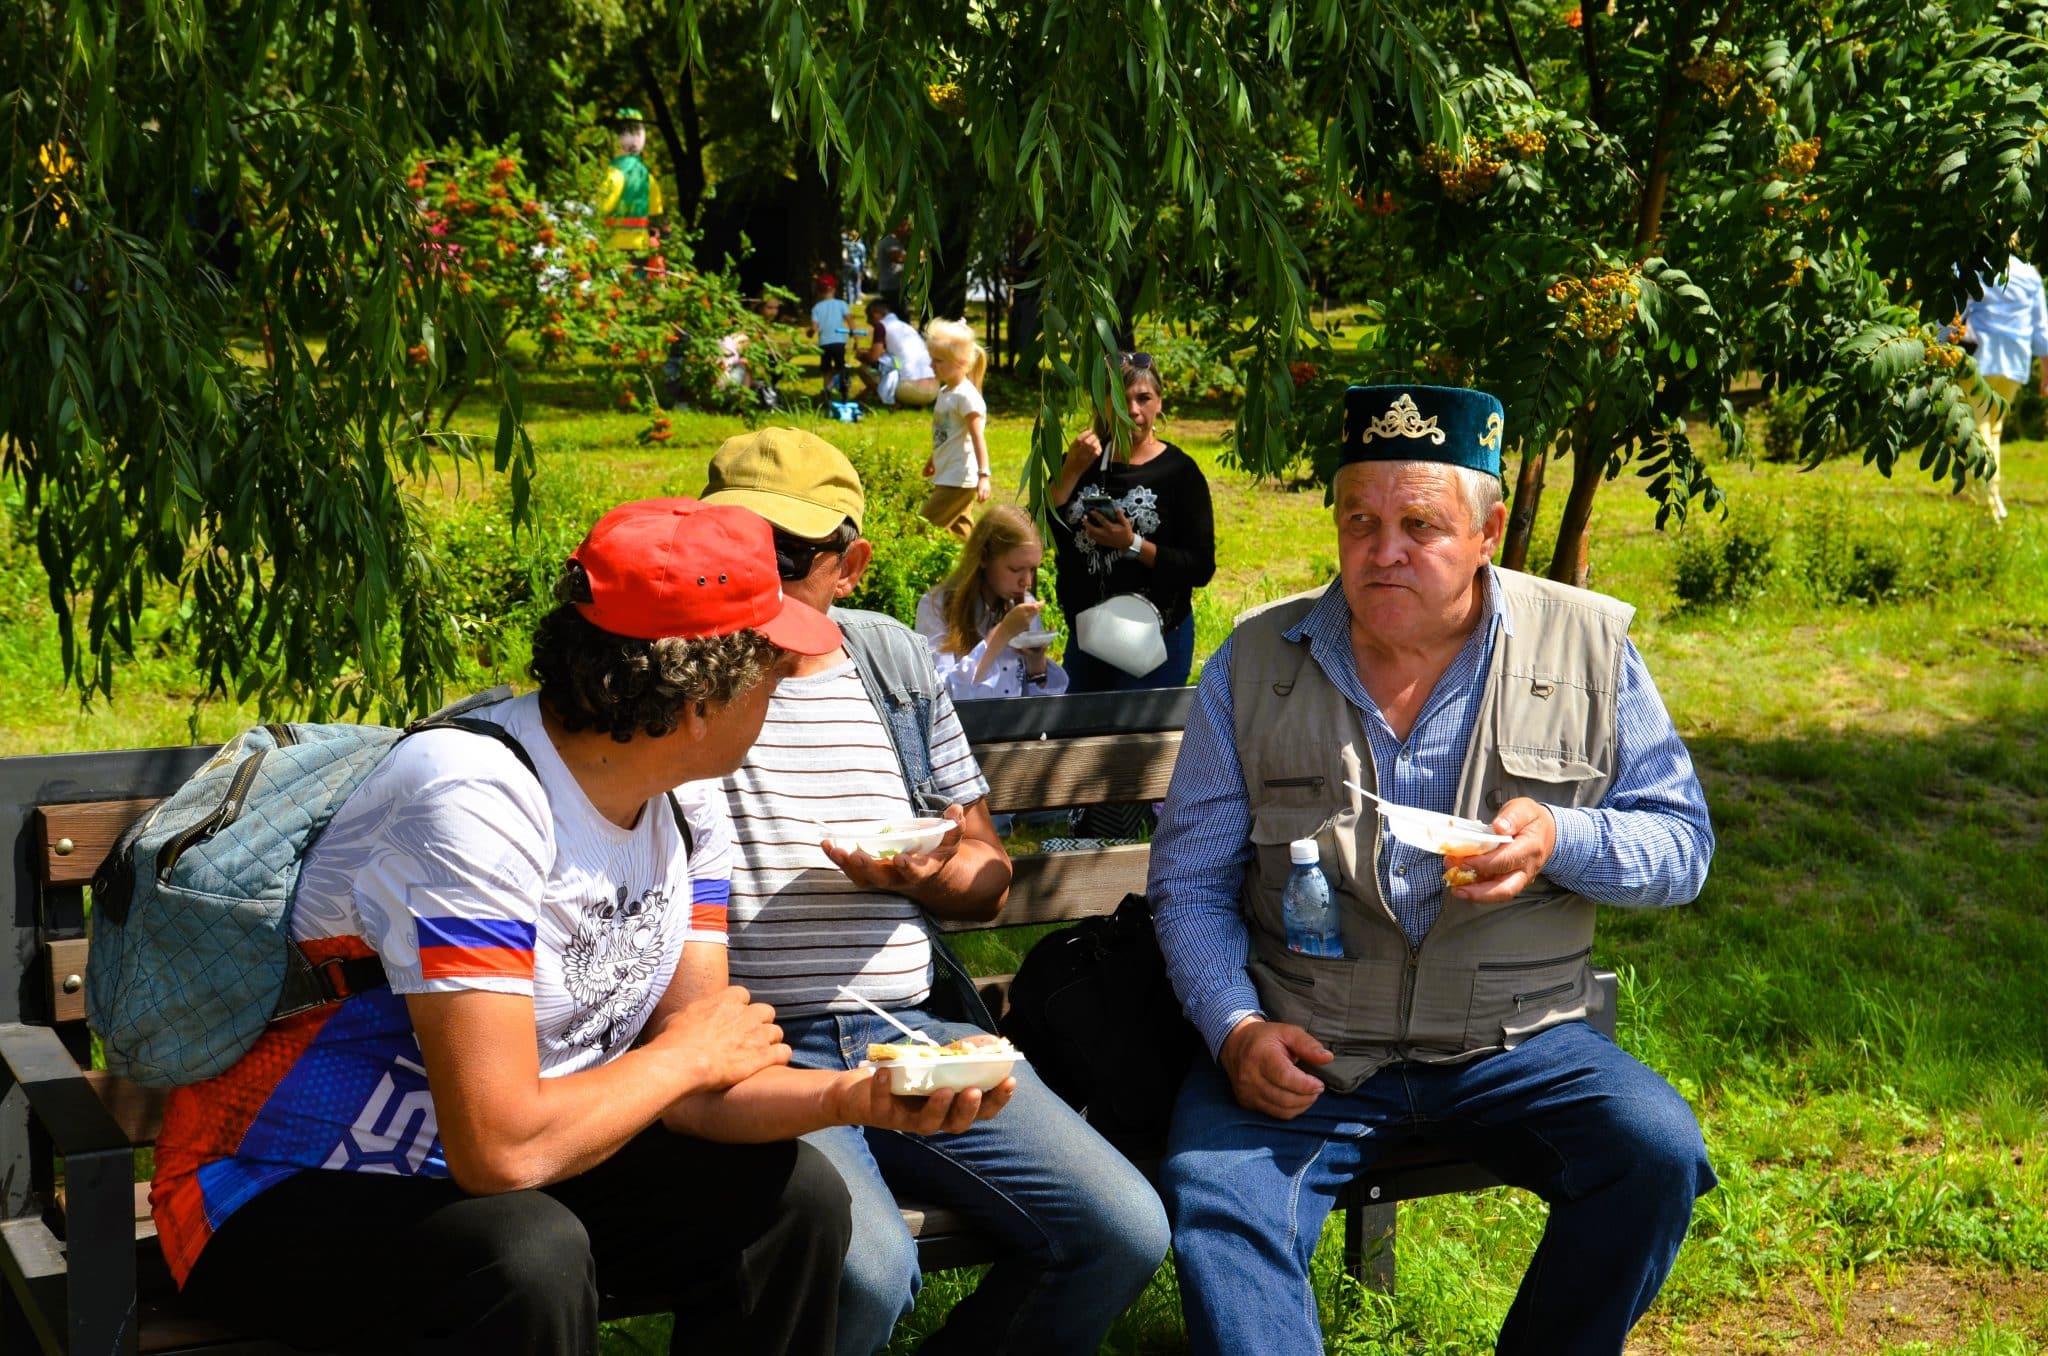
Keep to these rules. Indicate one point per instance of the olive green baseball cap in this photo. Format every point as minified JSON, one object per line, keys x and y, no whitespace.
{"x":796,"y":480}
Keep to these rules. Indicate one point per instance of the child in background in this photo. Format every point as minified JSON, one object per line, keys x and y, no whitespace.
{"x":958,"y":469}
{"x":828,"y":327}
{"x":982,"y":622}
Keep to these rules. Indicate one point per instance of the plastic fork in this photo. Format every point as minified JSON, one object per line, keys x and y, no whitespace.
{"x":917,"y":1036}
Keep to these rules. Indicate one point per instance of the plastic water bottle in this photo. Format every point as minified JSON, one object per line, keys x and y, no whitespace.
{"x":1310,"y":911}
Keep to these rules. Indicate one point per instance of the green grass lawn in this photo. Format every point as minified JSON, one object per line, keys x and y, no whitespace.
{"x":1855,"y":1005}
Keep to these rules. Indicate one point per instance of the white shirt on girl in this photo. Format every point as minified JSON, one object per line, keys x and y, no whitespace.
{"x":953,"y":461}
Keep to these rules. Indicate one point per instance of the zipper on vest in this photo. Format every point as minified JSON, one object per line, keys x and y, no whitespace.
{"x":1312,"y":783}
{"x":1408,"y":990}
{"x":1521,"y":999}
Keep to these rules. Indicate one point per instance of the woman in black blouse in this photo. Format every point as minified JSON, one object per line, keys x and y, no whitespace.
{"x":1155,"y":535}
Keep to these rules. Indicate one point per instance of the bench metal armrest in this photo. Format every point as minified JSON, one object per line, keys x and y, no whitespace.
{"x":99,"y":1187}
{"x":1609,"y":985}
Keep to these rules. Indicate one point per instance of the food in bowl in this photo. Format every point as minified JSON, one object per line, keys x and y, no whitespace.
{"x":975,"y":1062}
{"x":884,"y":838}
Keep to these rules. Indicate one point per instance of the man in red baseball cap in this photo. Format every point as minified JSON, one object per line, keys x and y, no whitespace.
{"x":555,"y":1094}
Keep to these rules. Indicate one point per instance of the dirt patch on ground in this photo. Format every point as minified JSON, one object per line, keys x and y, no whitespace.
{"x":2021,"y":640}
{"x":1882,"y":1308}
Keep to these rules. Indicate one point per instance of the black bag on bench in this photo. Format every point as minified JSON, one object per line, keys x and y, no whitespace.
{"x":1092,"y":1009}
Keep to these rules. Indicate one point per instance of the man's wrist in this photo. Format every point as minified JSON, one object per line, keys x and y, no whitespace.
{"x":1575,"y":839}
{"x":1238,"y":1022}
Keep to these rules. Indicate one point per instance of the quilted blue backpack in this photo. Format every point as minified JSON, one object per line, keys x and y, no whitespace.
{"x":192,"y":950}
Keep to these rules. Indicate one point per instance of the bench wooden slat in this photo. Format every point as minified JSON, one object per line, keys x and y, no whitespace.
{"x":67,"y":959}
{"x":1058,"y":887}
{"x":91,"y":827}
{"x":1098,"y":770}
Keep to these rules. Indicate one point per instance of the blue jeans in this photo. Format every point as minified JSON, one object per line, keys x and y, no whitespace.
{"x":1086,"y":673}
{"x":1082,"y":1230}
{"x":1609,"y":1144}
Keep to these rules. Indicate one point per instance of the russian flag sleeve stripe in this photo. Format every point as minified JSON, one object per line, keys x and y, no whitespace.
{"x":475,"y":946}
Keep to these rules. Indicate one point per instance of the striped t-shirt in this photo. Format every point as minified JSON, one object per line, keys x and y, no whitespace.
{"x":799,"y":927}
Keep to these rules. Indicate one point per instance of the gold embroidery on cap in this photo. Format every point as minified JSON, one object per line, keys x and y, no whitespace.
{"x":1491,"y":438}
{"x":1404,"y":420}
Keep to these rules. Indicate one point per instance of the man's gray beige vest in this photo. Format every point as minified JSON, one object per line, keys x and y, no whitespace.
{"x":1486,"y":976}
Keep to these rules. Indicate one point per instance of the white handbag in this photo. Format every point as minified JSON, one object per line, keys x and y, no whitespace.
{"x":1123,"y":630}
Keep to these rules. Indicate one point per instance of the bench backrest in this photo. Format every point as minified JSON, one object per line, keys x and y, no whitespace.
{"x":62,"y":814}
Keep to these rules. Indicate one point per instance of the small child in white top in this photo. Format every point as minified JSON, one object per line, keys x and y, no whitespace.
{"x":958,"y":468}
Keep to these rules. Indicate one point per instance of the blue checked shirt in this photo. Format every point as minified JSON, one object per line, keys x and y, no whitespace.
{"x":1646,"y":844}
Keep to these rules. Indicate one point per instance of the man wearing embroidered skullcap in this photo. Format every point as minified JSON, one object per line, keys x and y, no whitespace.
{"x":1457,"y":1013}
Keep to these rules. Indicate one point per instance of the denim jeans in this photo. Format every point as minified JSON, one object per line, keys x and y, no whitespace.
{"x":1610,"y":1146}
{"x":1082,"y":1229}
{"x":1086,"y":673}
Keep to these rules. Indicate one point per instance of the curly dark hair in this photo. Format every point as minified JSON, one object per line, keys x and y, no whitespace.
{"x":592,"y":679}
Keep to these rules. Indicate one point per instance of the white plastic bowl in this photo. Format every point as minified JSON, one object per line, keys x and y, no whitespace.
{"x":914,"y":1077}
{"x":887,"y":837}
{"x":1033,"y":640}
{"x":1440,"y":834}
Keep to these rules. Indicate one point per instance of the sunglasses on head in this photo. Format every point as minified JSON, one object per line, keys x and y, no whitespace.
{"x":794,"y":556}
{"x":1135,"y":360}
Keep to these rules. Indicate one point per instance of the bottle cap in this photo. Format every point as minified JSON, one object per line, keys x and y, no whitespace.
{"x":1303,"y":852}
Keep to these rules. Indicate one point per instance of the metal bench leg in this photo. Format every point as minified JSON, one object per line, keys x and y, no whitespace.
{"x":1369,"y":1245}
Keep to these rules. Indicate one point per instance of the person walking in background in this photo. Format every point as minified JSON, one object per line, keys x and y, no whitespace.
{"x":1140,"y":526}
{"x":958,"y":467}
{"x":853,"y":262}
{"x":983,"y":623}
{"x":892,"y":257}
{"x":897,"y":367}
{"x":2009,"y":322}
{"x":829,"y":315}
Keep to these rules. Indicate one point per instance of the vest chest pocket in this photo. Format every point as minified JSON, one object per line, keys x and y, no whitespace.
{"x":1555,"y":741}
{"x":1512,"y":1001}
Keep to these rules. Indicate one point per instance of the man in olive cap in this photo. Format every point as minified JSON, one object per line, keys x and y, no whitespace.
{"x":1457,"y":1010}
{"x":868,"y":732}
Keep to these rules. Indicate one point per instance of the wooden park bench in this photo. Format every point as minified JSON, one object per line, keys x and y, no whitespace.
{"x":77,"y":1246}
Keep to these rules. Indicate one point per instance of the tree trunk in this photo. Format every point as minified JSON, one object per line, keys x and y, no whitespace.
{"x":684,"y":140}
{"x":1568,"y":563}
{"x":1514,"y":551}
{"x":953,"y":248}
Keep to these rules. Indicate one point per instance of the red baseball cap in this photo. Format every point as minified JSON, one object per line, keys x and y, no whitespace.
{"x":661,"y":568}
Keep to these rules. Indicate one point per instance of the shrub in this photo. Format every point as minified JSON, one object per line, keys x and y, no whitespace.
{"x":1732,"y":567}
{"x":1842,"y":560}
{"x":1784,"y":425}
{"x":543,"y":264}
{"x":501,"y":582}
{"x":910,"y":554}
